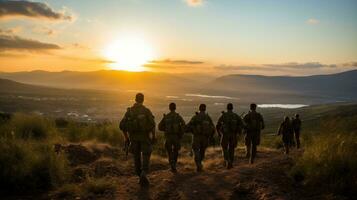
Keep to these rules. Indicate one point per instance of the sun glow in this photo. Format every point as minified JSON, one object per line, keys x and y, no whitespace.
{"x":128,"y":53}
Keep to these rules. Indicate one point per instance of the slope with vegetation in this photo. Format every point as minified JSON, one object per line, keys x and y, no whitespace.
{"x":59,"y":158}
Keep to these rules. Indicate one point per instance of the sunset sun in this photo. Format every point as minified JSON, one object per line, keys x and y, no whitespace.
{"x":129,"y":53}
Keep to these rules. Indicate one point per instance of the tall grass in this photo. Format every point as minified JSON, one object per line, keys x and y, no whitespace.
{"x":30,"y":165}
{"x":329,"y":160}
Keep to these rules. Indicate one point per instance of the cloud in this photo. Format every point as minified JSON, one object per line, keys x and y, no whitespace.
{"x":30,"y":9}
{"x":239,"y":67}
{"x":10,"y":31}
{"x":44,"y":30}
{"x":313,"y":21}
{"x":309,"y":65}
{"x":194,"y":3}
{"x":285,"y":66}
{"x":11,"y":42}
{"x":350,"y":64}
{"x":176,"y":62}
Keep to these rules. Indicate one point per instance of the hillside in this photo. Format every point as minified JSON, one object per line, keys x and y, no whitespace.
{"x":317,"y":88}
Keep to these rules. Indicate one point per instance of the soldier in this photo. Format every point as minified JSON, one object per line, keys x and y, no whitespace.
{"x":173,"y":125}
{"x":286,"y":130}
{"x":137,"y":124}
{"x":296,"y":123}
{"x":229,"y":125}
{"x":254,"y":123}
{"x":202,"y":128}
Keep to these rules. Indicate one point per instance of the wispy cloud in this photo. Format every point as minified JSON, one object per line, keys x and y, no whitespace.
{"x":44,"y":30}
{"x":11,"y":42}
{"x":284,"y":66}
{"x":194,"y":3}
{"x":295,"y":65}
{"x":176,"y":62}
{"x":30,"y":9}
{"x":313,"y":21}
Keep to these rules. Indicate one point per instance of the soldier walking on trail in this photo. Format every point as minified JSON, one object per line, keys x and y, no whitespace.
{"x":286,"y":130}
{"x":137,"y":124}
{"x":173,"y":125}
{"x":254,"y":123}
{"x":229,"y":125}
{"x":296,"y":123}
{"x":202,"y":128}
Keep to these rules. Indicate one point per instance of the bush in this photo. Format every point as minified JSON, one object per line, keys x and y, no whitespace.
{"x":31,"y":126}
{"x":329,"y":162}
{"x":30,"y":165}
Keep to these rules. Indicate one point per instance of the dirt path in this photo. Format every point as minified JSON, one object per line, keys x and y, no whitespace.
{"x":266,"y":179}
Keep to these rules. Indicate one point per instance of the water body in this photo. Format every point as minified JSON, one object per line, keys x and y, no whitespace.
{"x":286,"y":106}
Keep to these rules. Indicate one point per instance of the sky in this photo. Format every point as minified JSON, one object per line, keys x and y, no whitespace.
{"x":269,"y":37}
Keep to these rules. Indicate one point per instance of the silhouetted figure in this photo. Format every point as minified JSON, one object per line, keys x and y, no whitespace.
{"x":254,"y":123}
{"x":173,"y":126}
{"x":296,"y":123}
{"x":229,"y":125}
{"x":137,"y":124}
{"x":286,"y":131}
{"x":202,"y":128}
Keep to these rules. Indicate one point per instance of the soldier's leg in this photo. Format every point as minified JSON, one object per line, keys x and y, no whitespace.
{"x":224,"y":145}
{"x":176,"y":149}
{"x":168,"y":147}
{"x":146,"y":150}
{"x":286,"y":147}
{"x":204,"y":145}
{"x":136,"y":151}
{"x":255,"y":140}
{"x":232,"y":145}
{"x":297,"y":138}
{"x":196,"y":151}
{"x":248,"y":145}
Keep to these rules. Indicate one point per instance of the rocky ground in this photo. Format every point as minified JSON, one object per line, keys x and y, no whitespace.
{"x":267,"y":178}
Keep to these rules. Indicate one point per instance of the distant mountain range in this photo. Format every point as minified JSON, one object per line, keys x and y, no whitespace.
{"x":246,"y":88}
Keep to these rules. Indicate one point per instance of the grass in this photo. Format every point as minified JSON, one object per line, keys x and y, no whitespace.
{"x":30,"y":165}
{"x":89,"y":188}
{"x":329,"y":161}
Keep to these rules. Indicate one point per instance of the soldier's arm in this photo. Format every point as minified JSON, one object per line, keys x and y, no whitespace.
{"x":240,"y":124}
{"x":279,"y":130}
{"x":161,"y":125}
{"x":262,"y":121}
{"x":219,"y":124}
{"x":123,"y":126}
{"x":152,"y":121}
{"x":189,"y":126}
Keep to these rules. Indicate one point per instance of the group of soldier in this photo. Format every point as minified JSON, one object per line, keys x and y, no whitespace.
{"x":138,"y":126}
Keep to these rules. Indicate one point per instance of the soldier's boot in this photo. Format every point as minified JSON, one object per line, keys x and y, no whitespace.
{"x":253,"y":155}
{"x":247,"y":151}
{"x":230,"y":165}
{"x":199,"y":167}
{"x":143,"y":179}
{"x":173,"y":166}
{"x":286,"y":149}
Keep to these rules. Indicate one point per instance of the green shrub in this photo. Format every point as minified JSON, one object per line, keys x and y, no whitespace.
{"x":329,"y":162}
{"x":30,"y":165}
{"x":31,"y":126}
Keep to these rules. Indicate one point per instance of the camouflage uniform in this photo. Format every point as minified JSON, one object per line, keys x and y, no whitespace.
{"x":202,"y":128}
{"x":254,"y":123}
{"x":296,"y":123}
{"x":173,"y":125}
{"x":286,"y":130}
{"x":139,"y":134}
{"x":229,"y":125}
